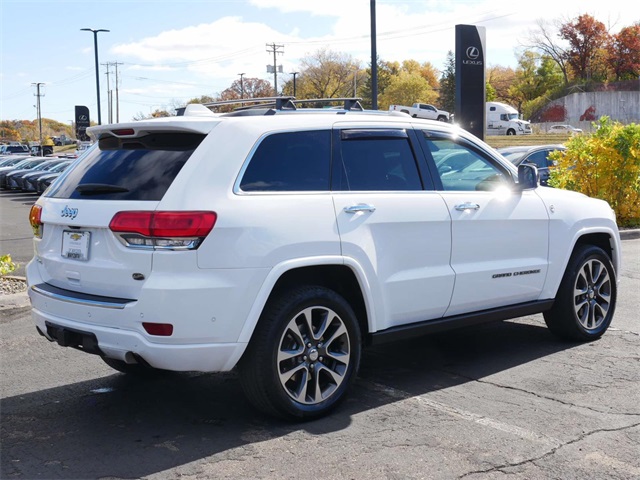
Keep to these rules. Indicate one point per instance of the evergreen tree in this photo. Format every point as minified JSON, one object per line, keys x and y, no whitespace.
{"x":447,"y":99}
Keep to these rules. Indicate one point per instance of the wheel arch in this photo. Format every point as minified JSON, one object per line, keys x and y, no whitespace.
{"x":330,"y":274}
{"x":608,"y":241}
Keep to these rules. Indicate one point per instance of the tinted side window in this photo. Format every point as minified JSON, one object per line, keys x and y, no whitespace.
{"x":372,"y":162}
{"x":540,"y":159}
{"x":291,"y":161}
{"x":461,"y":168}
{"x":129,"y":169}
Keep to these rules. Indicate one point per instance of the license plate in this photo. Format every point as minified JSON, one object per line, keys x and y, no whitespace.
{"x":75,"y":244}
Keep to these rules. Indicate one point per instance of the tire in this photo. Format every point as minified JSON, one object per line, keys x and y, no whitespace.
{"x":137,"y":369}
{"x":290,"y":369}
{"x":586,"y":299}
{"x":511,"y":131}
{"x":442,"y":118}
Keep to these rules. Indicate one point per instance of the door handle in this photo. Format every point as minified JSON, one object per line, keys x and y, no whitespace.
{"x":467,"y":206}
{"x":360,"y":208}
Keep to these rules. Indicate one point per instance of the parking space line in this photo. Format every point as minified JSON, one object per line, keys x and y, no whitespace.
{"x":530,"y":435}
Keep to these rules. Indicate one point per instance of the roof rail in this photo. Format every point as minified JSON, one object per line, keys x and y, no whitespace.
{"x":284,"y":103}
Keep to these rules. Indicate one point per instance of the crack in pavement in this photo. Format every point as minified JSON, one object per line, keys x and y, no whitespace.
{"x":500,"y":468}
{"x":543,"y":397}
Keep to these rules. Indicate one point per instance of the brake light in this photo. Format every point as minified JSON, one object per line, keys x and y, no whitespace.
{"x":35,"y":215}
{"x":123,"y":131}
{"x":169,"y":230}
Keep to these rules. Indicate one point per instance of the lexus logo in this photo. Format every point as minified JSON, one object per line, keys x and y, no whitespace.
{"x":82,"y":118}
{"x":473,"y":56}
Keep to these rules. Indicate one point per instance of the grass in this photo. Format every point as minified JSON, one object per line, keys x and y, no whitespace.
{"x":498,"y":141}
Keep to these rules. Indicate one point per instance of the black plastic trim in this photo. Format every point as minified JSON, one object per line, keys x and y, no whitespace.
{"x":457,"y":321}
{"x":80,"y":298}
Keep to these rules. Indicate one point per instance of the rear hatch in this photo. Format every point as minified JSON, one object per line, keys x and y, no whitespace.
{"x":129,"y":169}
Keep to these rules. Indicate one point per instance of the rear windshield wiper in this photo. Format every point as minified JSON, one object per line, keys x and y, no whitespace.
{"x":98,"y":188}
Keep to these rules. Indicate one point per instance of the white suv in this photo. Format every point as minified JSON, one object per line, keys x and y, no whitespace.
{"x":282,"y":241}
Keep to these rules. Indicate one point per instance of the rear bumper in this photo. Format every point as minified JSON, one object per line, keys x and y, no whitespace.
{"x":127,"y":345}
{"x":204,"y":307}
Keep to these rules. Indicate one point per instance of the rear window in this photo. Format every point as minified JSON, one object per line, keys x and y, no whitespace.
{"x":128,"y":169}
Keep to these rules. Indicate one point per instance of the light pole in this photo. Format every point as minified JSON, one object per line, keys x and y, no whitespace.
{"x":95,"y":48}
{"x":241,"y":86}
{"x":294,"y":82}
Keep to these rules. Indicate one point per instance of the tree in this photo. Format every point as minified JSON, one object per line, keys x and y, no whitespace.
{"x":386,"y":71}
{"x":9,"y":132}
{"x":406,"y":89}
{"x":542,"y":40}
{"x":425,"y":70}
{"x":624,"y":53}
{"x":587,"y":39}
{"x":447,"y":98}
{"x":250,"y":88}
{"x":536,"y":77}
{"x":501,"y":79}
{"x":326,"y":74}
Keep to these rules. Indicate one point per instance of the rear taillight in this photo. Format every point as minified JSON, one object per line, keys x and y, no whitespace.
{"x":159,"y":329}
{"x":35,"y":215}
{"x":163,"y":230}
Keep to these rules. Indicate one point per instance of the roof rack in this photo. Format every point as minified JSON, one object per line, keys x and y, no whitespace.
{"x":285,"y":103}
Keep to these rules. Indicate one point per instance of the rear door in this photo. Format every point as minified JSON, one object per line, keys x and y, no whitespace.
{"x":392,"y":224}
{"x":77,"y":250}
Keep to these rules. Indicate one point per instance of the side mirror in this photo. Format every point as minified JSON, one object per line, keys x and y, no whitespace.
{"x":527,"y":176}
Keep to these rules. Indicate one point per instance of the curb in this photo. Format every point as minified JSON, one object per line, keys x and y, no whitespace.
{"x":21,"y":300}
{"x":630,"y":234}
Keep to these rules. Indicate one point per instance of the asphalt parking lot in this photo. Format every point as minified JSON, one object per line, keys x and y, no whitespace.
{"x":482,"y":403}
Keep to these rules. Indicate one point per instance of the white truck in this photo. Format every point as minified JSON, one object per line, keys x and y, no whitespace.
{"x":422,"y":110}
{"x":503,"y":119}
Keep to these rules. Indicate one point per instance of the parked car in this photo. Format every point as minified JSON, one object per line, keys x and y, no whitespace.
{"x":10,"y":160}
{"x":536,"y":154}
{"x":24,"y":181}
{"x":13,"y":149}
{"x":34,"y":184}
{"x":311,"y":235}
{"x":564,"y":129}
{"x":21,"y":167}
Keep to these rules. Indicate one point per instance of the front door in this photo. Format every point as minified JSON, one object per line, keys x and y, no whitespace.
{"x":500,"y":235}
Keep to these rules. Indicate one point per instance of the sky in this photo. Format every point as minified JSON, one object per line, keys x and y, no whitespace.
{"x":169,"y":51}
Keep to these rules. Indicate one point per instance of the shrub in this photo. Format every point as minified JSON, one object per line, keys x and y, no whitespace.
{"x":605,"y":165}
{"x":6,"y":265}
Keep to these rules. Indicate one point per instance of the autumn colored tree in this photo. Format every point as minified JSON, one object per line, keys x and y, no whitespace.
{"x":586,"y":54}
{"x":250,"y":88}
{"x":405,"y":89}
{"x":9,"y":132}
{"x":500,"y":80}
{"x":326,"y":74}
{"x":624,"y":53}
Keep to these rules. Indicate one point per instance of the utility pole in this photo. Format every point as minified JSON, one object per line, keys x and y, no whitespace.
{"x":275,"y":49}
{"x":241,"y":85}
{"x":117,"y":98}
{"x":109,"y":102}
{"x":38,"y":94}
{"x":374,"y":58}
{"x":294,"y":82}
